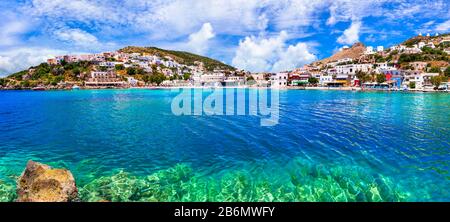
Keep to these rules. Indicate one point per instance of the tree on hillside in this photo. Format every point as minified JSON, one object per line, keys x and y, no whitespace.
{"x":313,"y":80}
{"x":63,"y":62}
{"x":381,"y":78}
{"x":3,"y":82}
{"x":131,"y":71}
{"x":119,"y":67}
{"x":447,"y":72}
{"x":157,"y":78}
{"x":437,"y":80}
{"x":434,"y":69}
{"x":186,"y":76}
{"x":362,"y":76}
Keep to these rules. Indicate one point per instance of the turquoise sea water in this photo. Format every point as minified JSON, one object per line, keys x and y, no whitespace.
{"x":126,"y":145}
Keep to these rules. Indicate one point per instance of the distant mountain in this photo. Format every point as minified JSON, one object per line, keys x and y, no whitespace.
{"x":353,"y":52}
{"x":181,"y":57}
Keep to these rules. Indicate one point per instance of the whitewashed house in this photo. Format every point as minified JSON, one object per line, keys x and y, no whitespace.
{"x":279,"y":80}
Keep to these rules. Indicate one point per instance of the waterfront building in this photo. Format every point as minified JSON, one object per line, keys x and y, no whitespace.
{"x":234,"y":81}
{"x":325,"y":79}
{"x":339,"y":81}
{"x":132,"y":81}
{"x":421,"y":80}
{"x":106,"y":79}
{"x":279,"y":80}
{"x":353,"y":68}
{"x":261,"y":79}
{"x":426,"y":78}
{"x":299,"y":79}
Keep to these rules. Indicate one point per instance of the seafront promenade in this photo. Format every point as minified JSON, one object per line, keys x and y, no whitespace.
{"x":237,"y":87}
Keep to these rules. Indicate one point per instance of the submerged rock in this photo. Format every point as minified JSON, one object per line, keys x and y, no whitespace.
{"x":41,"y":183}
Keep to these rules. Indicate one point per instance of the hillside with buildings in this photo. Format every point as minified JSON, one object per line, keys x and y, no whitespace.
{"x":127,"y":67}
{"x":419,"y":63}
{"x":181,"y":57}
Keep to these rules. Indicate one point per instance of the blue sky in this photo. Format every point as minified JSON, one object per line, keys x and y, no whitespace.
{"x":263,"y":35}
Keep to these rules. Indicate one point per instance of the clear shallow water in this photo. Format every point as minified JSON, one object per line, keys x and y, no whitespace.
{"x":126,"y":145}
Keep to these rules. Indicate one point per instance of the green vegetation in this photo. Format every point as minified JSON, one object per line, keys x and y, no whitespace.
{"x":180,"y":57}
{"x":435,"y":51}
{"x":412,"y":85}
{"x":156,"y":78}
{"x":131,"y":71}
{"x":434,"y":69}
{"x":378,"y":58}
{"x":186,"y":76}
{"x":119,"y":67}
{"x":381,"y":78}
{"x":313,"y":81}
{"x":7,"y":192}
{"x":437,"y":80}
{"x":410,"y":58}
{"x":174,"y":77}
{"x":447,"y":72}
{"x":51,"y":74}
{"x":3,"y":81}
{"x":362,"y":76}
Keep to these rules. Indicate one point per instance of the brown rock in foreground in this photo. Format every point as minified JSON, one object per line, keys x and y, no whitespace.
{"x":41,"y":183}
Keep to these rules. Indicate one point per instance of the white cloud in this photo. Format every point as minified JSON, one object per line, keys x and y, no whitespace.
{"x":443,"y":27}
{"x":199,"y":41}
{"x":11,"y":31}
{"x":293,"y":57}
{"x":345,"y":10}
{"x":81,"y":10}
{"x":350,"y":35}
{"x":18,"y":59}
{"x":270,"y":54}
{"x":12,"y":27}
{"x":76,"y":36}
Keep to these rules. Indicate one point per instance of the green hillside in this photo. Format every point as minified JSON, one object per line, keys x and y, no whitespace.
{"x":180,"y":57}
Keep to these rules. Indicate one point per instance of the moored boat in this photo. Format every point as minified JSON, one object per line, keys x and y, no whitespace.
{"x":39,"y":88}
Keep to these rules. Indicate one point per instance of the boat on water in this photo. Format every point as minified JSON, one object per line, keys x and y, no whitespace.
{"x":75,"y":87}
{"x":39,"y":88}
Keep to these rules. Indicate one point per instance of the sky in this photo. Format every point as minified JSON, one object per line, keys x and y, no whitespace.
{"x":255,"y":35}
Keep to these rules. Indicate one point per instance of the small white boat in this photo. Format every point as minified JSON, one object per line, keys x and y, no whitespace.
{"x":75,"y":87}
{"x":39,"y":88}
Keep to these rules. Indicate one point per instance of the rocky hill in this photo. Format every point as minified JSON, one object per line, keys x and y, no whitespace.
{"x":180,"y":57}
{"x":353,"y":52}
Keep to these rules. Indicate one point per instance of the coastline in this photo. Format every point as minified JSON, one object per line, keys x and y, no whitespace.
{"x":358,"y":89}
